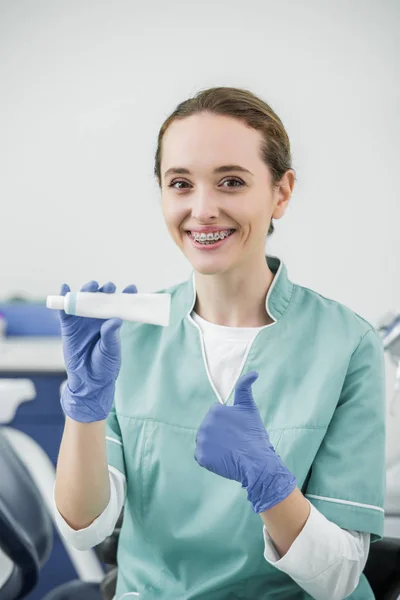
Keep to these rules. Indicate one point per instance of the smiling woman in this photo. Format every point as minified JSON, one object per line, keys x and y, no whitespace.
{"x":234,"y":436}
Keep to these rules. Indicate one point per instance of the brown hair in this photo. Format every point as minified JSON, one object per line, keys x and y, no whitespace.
{"x":244,"y":105}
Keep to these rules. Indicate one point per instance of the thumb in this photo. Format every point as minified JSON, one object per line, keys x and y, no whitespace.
{"x":243,"y":392}
{"x":109,"y":332}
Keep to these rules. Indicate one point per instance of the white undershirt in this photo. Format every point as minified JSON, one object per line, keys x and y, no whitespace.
{"x":325,"y":560}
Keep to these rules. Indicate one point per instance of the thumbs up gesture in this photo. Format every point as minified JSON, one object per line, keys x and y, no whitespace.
{"x":233,"y":443}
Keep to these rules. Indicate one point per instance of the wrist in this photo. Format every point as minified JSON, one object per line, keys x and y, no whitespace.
{"x":270,"y":489}
{"x":87,"y":404}
{"x":285,"y":521}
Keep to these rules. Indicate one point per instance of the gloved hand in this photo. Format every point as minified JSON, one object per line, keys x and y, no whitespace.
{"x":92,"y":354}
{"x":233,"y":442}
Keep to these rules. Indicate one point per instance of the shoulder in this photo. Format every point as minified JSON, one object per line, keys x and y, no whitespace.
{"x":333,"y":318}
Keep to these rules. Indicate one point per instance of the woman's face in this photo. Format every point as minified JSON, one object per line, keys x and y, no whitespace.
{"x":212,"y":175}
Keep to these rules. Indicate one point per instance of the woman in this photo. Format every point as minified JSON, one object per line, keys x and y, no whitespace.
{"x":250,"y":365}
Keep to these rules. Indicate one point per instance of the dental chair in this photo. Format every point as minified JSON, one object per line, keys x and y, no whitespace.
{"x":26,"y":534}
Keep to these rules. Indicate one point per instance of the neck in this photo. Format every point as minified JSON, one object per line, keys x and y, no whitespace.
{"x":235,"y":298}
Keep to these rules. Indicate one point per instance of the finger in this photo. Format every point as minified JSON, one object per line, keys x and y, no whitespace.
{"x":91,"y":286}
{"x":109,"y":332}
{"x":130,"y":289}
{"x":108,"y":288}
{"x":64,"y":289}
{"x":243,"y":392}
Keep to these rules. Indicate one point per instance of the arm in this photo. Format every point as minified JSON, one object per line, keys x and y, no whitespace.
{"x":99,"y":527}
{"x":92,"y":354}
{"x":285,"y":520}
{"x":82,"y":489}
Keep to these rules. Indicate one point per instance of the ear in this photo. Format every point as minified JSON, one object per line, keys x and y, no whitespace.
{"x":283,"y":193}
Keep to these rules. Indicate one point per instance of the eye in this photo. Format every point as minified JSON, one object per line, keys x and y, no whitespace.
{"x":175,"y":181}
{"x":235,"y":180}
{"x":172,"y":184}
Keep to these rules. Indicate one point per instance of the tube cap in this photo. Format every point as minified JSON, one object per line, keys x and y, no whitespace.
{"x":55,"y":302}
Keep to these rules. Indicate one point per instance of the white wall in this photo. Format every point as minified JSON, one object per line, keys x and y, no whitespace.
{"x":85,"y":87}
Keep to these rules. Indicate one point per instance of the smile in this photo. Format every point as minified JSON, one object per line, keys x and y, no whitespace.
{"x":210,"y":240}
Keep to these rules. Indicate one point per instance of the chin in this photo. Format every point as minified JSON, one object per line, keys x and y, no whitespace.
{"x":212,"y":266}
{"x":206,"y":271}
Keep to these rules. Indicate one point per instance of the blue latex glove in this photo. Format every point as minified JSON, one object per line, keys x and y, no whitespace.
{"x":92,"y":354}
{"x":233,"y":442}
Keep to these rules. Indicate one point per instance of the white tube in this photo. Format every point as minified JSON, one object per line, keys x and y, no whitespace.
{"x":144,"y":308}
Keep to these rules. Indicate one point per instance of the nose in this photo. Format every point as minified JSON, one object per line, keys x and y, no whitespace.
{"x":204,"y":206}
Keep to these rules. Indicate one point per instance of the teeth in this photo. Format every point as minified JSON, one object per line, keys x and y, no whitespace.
{"x":210,"y":237}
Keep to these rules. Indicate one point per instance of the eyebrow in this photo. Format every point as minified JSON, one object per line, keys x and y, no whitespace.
{"x":222,"y":169}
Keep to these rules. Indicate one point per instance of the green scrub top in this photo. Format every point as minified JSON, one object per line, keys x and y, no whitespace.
{"x":190,"y":534}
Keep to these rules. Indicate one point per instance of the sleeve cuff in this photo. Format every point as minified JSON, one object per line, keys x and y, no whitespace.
{"x":306,"y":558}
